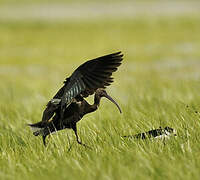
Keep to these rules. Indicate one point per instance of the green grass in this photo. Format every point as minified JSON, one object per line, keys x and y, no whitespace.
{"x":158,"y":84}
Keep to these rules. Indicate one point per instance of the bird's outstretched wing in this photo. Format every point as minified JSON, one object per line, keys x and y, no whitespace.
{"x":90,"y":76}
{"x":84,"y":81}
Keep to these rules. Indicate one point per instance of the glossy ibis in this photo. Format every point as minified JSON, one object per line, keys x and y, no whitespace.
{"x":68,"y":106}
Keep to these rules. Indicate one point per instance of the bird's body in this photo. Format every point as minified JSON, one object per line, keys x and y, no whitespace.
{"x":68,"y":106}
{"x":155,"y":133}
{"x":72,"y":114}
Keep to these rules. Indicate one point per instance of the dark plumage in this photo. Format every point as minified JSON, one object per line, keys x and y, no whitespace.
{"x":68,"y":106}
{"x":155,"y":133}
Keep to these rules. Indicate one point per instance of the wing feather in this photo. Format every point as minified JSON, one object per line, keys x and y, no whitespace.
{"x":88,"y":77}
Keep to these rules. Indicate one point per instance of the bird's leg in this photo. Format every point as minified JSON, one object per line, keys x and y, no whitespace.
{"x":77,"y":138}
{"x":75,"y":131}
{"x":44,"y":140}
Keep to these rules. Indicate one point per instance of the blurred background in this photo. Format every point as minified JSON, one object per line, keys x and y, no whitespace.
{"x":43,"y":41}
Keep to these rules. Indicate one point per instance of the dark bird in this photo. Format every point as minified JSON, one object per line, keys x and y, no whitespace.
{"x":68,"y":106}
{"x":155,"y":133}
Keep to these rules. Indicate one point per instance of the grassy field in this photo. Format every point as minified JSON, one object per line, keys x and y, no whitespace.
{"x":158,"y":84}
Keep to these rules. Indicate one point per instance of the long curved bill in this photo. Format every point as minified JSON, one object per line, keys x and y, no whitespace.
{"x":113,"y":101}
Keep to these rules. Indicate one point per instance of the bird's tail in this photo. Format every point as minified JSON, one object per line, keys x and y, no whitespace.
{"x":43,"y":128}
{"x":38,"y":128}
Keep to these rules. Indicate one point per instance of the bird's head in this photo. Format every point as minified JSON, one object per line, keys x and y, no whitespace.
{"x":102,"y":93}
{"x":170,"y":131}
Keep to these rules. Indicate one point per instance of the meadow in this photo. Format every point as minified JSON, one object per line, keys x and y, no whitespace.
{"x":158,"y":84}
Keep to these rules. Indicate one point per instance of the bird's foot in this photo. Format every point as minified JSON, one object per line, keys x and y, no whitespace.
{"x":86,"y":146}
